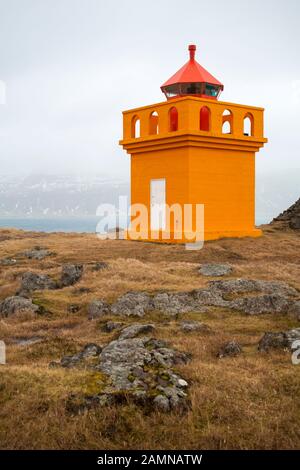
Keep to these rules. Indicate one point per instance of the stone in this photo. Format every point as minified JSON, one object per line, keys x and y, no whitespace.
{"x":177,"y":303}
{"x":110,"y":326}
{"x":99,"y":266}
{"x":294,"y":309}
{"x":73,"y":308}
{"x":37,"y":253}
{"x":16,"y":304}
{"x":8,"y":262}
{"x":243,"y":286}
{"x":267,"y":303}
{"x":90,"y":350}
{"x":34,"y":281}
{"x":189,"y":326}
{"x":215,"y":269}
{"x":71,"y":273}
{"x":290,"y":218}
{"x":98,"y":309}
{"x":136,"y":329}
{"x":161,"y":402}
{"x":230,"y":349}
{"x":132,"y":304}
{"x":27,"y":341}
{"x":281,"y":340}
{"x":136,"y":368}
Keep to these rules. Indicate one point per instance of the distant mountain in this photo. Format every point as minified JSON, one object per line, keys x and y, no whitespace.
{"x":57,"y":195}
{"x":69,"y":195}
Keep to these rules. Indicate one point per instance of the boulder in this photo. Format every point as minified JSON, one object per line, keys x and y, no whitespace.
{"x":99,"y":266}
{"x":34,"y":281}
{"x":17,"y":304}
{"x":110,"y":326}
{"x":90,"y":350}
{"x":98,"y":309}
{"x":281,"y":340}
{"x":8,"y":262}
{"x":37,"y":253}
{"x":215,"y":269}
{"x":70,"y":274}
{"x":190,"y":326}
{"x":267,"y":303}
{"x":136,"y":329}
{"x":230,"y":349}
{"x":140,"y":369}
{"x":132,"y":304}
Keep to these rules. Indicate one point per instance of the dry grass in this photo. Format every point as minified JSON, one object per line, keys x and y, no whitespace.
{"x":252,"y":401}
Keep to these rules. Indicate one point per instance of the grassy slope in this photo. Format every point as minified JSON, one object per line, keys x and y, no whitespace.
{"x":252,"y":401}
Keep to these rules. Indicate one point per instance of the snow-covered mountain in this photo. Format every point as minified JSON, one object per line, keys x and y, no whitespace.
{"x":53,"y":195}
{"x":69,"y":195}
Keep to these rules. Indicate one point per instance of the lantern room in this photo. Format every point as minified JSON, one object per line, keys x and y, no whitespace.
{"x":192,"y":79}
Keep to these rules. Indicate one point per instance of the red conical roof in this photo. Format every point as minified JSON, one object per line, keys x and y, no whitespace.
{"x":192,"y":72}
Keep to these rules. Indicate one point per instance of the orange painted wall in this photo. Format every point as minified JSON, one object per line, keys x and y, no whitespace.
{"x":225,"y":182}
{"x":205,"y":167}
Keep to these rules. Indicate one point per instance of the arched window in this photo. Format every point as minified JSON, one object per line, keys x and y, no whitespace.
{"x":173,"y":119}
{"x":227,"y":122}
{"x":248,"y":124}
{"x":135,"y":127}
{"x":153,"y":123}
{"x":204,"y":124}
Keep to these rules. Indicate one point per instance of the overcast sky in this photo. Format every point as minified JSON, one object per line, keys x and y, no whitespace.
{"x":71,"y":66}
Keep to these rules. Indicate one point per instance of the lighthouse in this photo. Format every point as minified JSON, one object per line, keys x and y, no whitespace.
{"x":193,"y":149}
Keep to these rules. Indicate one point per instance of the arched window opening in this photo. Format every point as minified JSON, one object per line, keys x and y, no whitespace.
{"x":248,"y":125}
{"x":173,"y":119}
{"x":204,"y":119}
{"x":227,"y":122}
{"x":153,"y":123}
{"x":135,"y":127}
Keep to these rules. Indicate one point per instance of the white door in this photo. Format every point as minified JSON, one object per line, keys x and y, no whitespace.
{"x":158,"y":204}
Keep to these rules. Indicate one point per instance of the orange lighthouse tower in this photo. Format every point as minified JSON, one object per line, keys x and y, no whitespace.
{"x":194,"y":149}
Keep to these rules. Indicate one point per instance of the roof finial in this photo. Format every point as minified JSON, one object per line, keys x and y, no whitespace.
{"x":192,"y":50}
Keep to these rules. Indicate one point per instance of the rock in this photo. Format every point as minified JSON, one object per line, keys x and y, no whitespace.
{"x":132,"y":304}
{"x":140,"y":364}
{"x":282,"y":340}
{"x":73,"y":308}
{"x":189,"y":326}
{"x":90,"y":350}
{"x":290,"y":218}
{"x":8,"y":262}
{"x":215,"y":269}
{"x":16,"y":304}
{"x":110,"y":326}
{"x":136,"y":368}
{"x":81,"y":290}
{"x":177,"y":303}
{"x":98,"y":309}
{"x":99,"y":266}
{"x":37,"y":253}
{"x":34,"y":281}
{"x":294,"y":309}
{"x":267,"y":303}
{"x":230,"y":349}
{"x":71,"y":273}
{"x":161,"y":402}
{"x":27,"y":341}
{"x":242,"y":286}
{"x":136,"y":329}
